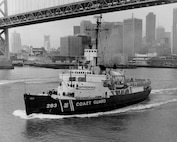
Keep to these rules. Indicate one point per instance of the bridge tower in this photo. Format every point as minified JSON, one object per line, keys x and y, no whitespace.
{"x":5,"y":62}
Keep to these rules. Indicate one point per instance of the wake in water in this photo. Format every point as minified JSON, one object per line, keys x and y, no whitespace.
{"x":160,"y":91}
{"x":4,"y":82}
{"x":30,"y":81}
{"x":138,"y":107}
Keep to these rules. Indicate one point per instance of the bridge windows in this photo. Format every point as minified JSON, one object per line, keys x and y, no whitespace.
{"x":81,"y":79}
{"x":72,"y":78}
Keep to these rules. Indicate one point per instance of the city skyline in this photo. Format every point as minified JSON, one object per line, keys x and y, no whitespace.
{"x":33,"y":34}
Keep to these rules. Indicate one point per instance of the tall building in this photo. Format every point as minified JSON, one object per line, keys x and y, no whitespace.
{"x":87,"y":28}
{"x":110,"y":40}
{"x":174,"y":31}
{"x":160,"y":34}
{"x":16,"y":45}
{"x":150,"y":29}
{"x":86,"y":43}
{"x":168,"y":39}
{"x":76,"y":30}
{"x":47,"y":42}
{"x":110,"y":43}
{"x":71,"y":46}
{"x":132,"y":36}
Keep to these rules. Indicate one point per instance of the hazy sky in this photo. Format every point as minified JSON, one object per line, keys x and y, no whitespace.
{"x":34,"y":34}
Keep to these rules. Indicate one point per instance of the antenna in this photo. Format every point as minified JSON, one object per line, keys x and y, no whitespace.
{"x":97,"y":30}
{"x":133,"y":20}
{"x":98,"y":24}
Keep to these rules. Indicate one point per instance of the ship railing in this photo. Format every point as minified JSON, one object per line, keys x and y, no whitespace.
{"x":138,"y":82}
{"x":121,"y":91}
{"x":88,"y":98}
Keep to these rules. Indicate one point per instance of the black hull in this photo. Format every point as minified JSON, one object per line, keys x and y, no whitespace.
{"x":48,"y":105}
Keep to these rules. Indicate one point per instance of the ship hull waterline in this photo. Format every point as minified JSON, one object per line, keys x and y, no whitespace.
{"x":48,"y":105}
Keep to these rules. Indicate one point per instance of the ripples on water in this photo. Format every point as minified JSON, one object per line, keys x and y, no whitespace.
{"x":151,"y":120}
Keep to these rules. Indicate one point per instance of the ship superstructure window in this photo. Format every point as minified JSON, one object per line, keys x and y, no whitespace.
{"x":81,"y":72}
{"x":81,"y":79}
{"x":72,"y":85}
{"x":72,"y":78}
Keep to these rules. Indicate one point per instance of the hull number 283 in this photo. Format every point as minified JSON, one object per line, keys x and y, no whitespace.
{"x":52,"y":105}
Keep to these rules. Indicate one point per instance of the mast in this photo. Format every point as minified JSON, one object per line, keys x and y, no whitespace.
{"x":133,"y":34}
{"x":98,"y":24}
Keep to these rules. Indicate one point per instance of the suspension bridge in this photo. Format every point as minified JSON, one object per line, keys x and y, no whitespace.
{"x":15,"y":13}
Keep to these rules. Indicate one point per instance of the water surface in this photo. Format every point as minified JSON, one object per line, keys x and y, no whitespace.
{"x":153,"y":120}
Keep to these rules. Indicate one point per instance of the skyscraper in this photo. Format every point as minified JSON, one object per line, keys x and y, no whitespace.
{"x":150,"y":29}
{"x":168,"y":39}
{"x":110,"y":40}
{"x":47,"y":42}
{"x":110,"y":45}
{"x":86,"y":43}
{"x":87,"y":28}
{"x":132,"y":36}
{"x":160,"y":33}
{"x":71,"y":46}
{"x":76,"y":30}
{"x":16,"y":42}
{"x":174,"y":31}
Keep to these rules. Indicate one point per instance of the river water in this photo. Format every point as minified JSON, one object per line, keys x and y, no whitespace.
{"x":154,"y":120}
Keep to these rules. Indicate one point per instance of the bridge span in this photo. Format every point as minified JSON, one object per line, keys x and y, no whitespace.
{"x":76,"y":9}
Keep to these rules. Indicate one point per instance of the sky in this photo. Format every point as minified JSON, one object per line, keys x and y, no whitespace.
{"x":33,"y":35}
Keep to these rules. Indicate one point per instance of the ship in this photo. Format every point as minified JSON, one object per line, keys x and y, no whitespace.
{"x":82,"y":92}
{"x":88,"y":90}
{"x":17,"y":62}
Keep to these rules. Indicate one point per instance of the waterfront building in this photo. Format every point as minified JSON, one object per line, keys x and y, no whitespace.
{"x":27,"y":49}
{"x":150,"y":29}
{"x":142,"y":59}
{"x":16,"y":45}
{"x":71,"y":46}
{"x":47,"y":42}
{"x":132,"y":36}
{"x":76,"y":30}
{"x":38,"y":51}
{"x":174,"y":50}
